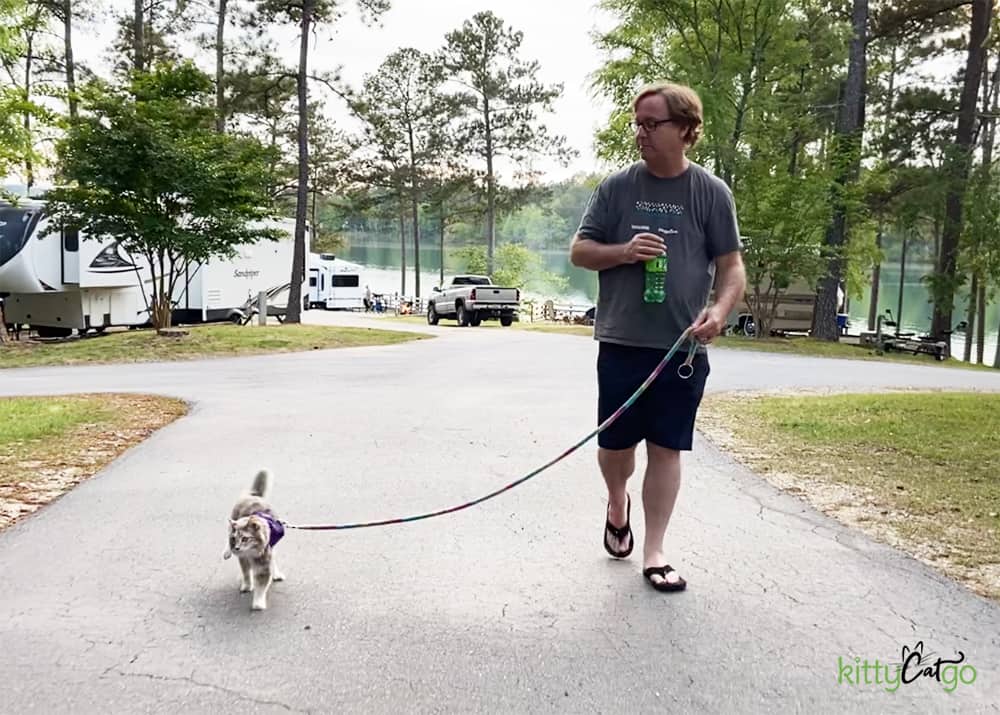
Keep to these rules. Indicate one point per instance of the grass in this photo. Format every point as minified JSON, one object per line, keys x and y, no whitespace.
{"x":30,"y":421}
{"x":200,"y":342}
{"x":792,"y":346}
{"x":50,"y":444}
{"x":926,"y":463}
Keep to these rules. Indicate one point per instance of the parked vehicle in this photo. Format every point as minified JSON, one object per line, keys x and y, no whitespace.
{"x":471,"y":299}
{"x":64,"y":281}
{"x":335,"y":284}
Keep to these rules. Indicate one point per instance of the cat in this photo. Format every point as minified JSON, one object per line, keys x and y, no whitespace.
{"x":254,"y":530}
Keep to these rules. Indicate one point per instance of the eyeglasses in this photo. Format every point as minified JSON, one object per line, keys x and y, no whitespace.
{"x":650,"y":125}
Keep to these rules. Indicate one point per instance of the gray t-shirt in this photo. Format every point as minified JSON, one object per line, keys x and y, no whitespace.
{"x":696,"y":216}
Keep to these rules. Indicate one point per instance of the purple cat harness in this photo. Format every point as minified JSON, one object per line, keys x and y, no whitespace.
{"x":276,"y":527}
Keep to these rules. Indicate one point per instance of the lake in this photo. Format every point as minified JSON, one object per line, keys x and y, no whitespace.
{"x":383,"y":262}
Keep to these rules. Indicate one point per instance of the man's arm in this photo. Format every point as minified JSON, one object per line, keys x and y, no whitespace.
{"x":596,"y":256}
{"x":730,"y":281}
{"x":730,"y":286}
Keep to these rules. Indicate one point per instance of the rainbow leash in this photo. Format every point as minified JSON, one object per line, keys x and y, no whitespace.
{"x":604,"y":425}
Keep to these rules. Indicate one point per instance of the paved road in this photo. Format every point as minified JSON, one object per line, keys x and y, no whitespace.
{"x":116,"y":598}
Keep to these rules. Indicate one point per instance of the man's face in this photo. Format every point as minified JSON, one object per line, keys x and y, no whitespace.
{"x":654,"y":137}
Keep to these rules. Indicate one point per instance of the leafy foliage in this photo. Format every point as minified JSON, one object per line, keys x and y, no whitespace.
{"x":144,"y":165}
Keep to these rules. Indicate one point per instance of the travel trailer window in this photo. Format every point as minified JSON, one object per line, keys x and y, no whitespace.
{"x":345,"y":281}
{"x":15,"y":227}
{"x":71,"y":239}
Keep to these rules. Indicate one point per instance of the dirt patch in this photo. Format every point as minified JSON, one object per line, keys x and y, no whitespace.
{"x":33,"y":475}
{"x":850,"y":504}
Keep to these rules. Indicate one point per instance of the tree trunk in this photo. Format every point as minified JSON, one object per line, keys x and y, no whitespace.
{"x":441,"y":225}
{"x":414,"y":212}
{"x":67,"y":9}
{"x":294,"y":310}
{"x":902,"y":285}
{"x":490,"y":190}
{"x":876,"y":282}
{"x":402,"y":246}
{"x":877,"y":268}
{"x":138,"y":39}
{"x":970,"y":318}
{"x":958,"y":173}
{"x":981,"y":323}
{"x":220,"y":68}
{"x":850,"y":129}
{"x":312,"y":213}
{"x":996,"y":357}
{"x":991,"y":103}
{"x":4,"y":337}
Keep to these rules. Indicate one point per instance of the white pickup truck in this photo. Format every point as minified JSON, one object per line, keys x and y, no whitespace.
{"x":471,"y":299}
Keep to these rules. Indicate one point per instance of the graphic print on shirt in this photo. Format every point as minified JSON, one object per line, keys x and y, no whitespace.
{"x":663,"y":219}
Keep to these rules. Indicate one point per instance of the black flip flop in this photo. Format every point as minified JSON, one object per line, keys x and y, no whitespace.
{"x":663,"y":585}
{"x":620,"y":532}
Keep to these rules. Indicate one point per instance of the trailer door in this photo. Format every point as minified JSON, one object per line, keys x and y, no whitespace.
{"x":70,"y":255}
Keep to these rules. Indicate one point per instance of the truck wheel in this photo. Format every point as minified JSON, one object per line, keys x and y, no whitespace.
{"x":432,"y":314}
{"x":463,"y":315}
{"x":506,"y":320}
{"x":476,"y":320}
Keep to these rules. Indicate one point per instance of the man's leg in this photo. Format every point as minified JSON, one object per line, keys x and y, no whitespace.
{"x":659,"y":493}
{"x":617,"y":466}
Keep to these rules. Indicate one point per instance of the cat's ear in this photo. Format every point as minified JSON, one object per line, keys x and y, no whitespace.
{"x":232,"y":523}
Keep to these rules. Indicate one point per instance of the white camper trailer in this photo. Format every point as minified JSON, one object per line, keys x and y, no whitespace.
{"x":335,"y":284}
{"x":320,"y":269}
{"x":64,"y":281}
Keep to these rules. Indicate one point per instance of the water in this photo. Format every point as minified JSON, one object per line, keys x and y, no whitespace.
{"x":384,"y":276}
{"x":383,"y":270}
{"x":917,"y":309}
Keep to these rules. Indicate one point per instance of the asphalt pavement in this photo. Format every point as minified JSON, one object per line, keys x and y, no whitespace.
{"x":116,"y":599}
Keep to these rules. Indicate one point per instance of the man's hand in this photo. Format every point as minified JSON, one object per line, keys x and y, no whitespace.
{"x":644,"y":247}
{"x":708,"y":325}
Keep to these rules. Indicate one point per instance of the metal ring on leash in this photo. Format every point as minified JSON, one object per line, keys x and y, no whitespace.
{"x":604,"y":425}
{"x":686,"y":369}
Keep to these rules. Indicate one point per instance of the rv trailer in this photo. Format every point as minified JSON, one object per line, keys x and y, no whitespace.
{"x":64,"y":281}
{"x":335,"y":284}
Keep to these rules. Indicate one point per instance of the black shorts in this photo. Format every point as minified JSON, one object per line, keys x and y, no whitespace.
{"x":664,"y":414}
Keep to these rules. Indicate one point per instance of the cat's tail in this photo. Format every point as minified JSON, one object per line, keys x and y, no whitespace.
{"x":261,"y":484}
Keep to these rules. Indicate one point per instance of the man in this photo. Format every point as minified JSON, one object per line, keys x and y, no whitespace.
{"x":661,"y":205}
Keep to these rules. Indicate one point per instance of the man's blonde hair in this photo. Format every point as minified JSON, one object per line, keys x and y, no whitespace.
{"x":683,"y":103}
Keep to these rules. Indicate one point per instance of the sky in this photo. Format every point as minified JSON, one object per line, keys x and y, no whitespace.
{"x":556,"y":34}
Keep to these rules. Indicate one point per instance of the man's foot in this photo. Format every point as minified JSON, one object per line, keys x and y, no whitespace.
{"x":618,"y":540}
{"x":664,"y":578}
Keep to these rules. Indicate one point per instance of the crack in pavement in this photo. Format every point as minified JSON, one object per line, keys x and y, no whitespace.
{"x":211,"y":686}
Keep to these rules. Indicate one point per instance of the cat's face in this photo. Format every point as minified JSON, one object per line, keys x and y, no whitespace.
{"x":247,"y":536}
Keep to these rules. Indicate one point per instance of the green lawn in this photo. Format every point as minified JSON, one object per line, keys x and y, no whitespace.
{"x":794,"y":345}
{"x":200,"y":342}
{"x":930,"y":460}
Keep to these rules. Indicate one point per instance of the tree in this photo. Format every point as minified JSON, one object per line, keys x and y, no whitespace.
{"x":958,"y":166}
{"x":14,"y":140}
{"x":27,"y":70}
{"x":503,"y":98}
{"x":847,"y":160}
{"x":145,"y":166}
{"x":305,"y":13}
{"x":516,"y":267}
{"x":406,"y":119}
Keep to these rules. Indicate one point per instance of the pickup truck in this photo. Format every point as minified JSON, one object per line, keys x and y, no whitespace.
{"x":471,"y":299}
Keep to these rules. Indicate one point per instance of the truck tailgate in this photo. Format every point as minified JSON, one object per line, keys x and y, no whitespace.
{"x":489,"y":294}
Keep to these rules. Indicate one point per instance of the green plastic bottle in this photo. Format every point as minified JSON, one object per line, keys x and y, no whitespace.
{"x":656,"y":278}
